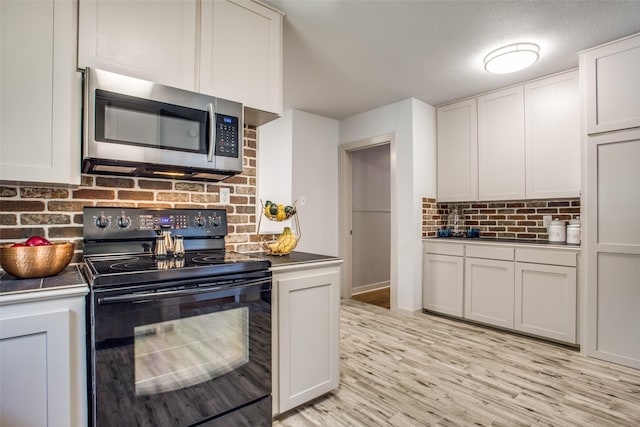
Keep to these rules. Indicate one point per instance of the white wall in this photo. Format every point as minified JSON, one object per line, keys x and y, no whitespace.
{"x":414,"y":166}
{"x":298,"y":159}
{"x":315,"y":178}
{"x":274,"y":175}
{"x":424,"y":180}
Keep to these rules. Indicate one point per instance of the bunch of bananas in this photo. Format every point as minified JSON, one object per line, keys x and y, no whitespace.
{"x":286,"y":243}
{"x":278,"y":212}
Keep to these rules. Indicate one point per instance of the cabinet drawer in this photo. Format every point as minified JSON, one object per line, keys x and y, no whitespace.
{"x":444,"y":248}
{"x":490,"y":252}
{"x":546,"y":256}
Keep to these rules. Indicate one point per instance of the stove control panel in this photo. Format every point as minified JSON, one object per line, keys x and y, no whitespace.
{"x":113,"y":223}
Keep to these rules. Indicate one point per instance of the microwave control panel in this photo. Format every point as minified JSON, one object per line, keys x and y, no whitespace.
{"x":227,"y":136}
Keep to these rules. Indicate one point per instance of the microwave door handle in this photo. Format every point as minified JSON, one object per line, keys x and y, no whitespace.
{"x":211,"y":115}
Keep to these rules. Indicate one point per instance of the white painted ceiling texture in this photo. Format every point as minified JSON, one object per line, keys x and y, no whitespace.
{"x":343,"y":57}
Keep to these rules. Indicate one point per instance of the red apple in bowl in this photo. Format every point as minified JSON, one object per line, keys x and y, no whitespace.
{"x":37,"y":241}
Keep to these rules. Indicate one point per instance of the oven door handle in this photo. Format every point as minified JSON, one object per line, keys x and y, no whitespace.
{"x":151,"y":296}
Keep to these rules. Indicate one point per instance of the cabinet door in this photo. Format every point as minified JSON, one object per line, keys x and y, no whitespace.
{"x":488,"y":291}
{"x":501,"y":155}
{"x":458,"y":152}
{"x":545,"y":301}
{"x":612,"y":85}
{"x":443,"y":283}
{"x":552,"y":137}
{"x":241,"y":53}
{"x":613,"y":249}
{"x":153,"y":40}
{"x":309,"y":335}
{"x":39,"y":92}
{"x":35,"y":382}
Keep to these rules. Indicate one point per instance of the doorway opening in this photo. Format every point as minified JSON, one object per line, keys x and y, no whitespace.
{"x":367,"y":199}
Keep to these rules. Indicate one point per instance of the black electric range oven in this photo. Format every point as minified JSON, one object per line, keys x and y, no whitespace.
{"x":175,"y":339}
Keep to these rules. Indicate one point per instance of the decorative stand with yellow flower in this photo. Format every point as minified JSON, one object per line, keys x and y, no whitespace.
{"x":287,"y":241}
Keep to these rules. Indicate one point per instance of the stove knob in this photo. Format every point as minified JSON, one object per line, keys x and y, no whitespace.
{"x":215,"y":221}
{"x":199,"y":221}
{"x":124,"y":221}
{"x":102,"y":221}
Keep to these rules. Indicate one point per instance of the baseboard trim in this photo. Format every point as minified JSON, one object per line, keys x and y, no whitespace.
{"x":370,"y":287}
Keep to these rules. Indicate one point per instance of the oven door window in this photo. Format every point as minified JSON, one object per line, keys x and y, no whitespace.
{"x":128,"y":120}
{"x":177,"y":354}
{"x":178,"y":360}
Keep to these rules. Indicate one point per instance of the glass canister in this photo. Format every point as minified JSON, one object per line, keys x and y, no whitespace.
{"x":456,"y":223}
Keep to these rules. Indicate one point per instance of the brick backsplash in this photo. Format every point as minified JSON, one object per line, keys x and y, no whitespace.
{"x":517,"y":219}
{"x":430,"y":217}
{"x":56,"y":212}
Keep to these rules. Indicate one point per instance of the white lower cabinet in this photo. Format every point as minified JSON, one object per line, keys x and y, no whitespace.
{"x":488,"y":291}
{"x":523,"y":288}
{"x":306,"y":334}
{"x":42,"y":363}
{"x":545,"y":301}
{"x":443,"y":279}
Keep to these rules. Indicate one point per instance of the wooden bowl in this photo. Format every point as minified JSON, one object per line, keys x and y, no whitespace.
{"x":27,"y":262}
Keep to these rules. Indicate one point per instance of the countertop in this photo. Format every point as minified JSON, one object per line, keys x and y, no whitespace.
{"x":515,"y":242}
{"x":298,"y":259}
{"x":66,"y":283}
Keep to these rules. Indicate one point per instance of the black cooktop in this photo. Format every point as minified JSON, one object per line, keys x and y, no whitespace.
{"x":132,"y":269}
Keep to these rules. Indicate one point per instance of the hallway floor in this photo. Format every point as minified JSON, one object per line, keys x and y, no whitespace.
{"x":379,"y":297}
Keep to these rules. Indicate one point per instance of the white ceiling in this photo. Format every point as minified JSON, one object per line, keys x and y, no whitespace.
{"x":343,"y":57}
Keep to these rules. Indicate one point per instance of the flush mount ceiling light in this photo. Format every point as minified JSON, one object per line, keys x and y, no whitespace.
{"x":511,"y":58}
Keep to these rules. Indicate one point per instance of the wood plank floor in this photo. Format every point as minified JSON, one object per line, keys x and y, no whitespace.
{"x":379,"y":297}
{"x":423,"y":370}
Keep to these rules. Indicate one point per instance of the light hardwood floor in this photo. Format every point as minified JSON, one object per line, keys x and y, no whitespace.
{"x":423,"y":370}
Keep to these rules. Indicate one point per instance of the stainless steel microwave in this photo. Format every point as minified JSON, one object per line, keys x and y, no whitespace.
{"x":136,"y":127}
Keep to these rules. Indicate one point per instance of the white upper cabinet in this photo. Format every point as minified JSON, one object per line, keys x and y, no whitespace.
{"x":39,"y":92}
{"x":612,"y":85}
{"x":501,"y":153}
{"x":524,"y":143}
{"x":226,"y":48}
{"x":552,"y":137}
{"x":153,"y":40}
{"x":241,"y":53}
{"x":458,"y":151}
